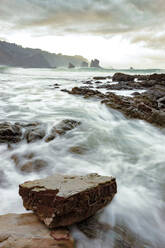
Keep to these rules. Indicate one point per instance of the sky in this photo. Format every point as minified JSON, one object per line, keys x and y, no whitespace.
{"x":120,"y":33}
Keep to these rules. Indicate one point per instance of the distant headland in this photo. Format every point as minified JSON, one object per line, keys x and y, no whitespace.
{"x":17,"y":56}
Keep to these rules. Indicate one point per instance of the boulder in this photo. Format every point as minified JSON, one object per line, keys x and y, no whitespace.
{"x":10,"y":133}
{"x":118,"y":77}
{"x":25,"y":230}
{"x":157,"y":77}
{"x":61,"y":200}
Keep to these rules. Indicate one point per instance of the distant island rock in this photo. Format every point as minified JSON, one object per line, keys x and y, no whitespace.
{"x":95,"y":63}
{"x":84,"y":64}
{"x":17,"y":56}
{"x":71,"y":65}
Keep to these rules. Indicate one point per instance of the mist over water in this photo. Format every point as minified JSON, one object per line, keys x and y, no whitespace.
{"x":133,"y":151}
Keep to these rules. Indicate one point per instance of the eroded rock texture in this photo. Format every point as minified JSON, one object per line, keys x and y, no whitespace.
{"x":25,"y":230}
{"x":10,"y":133}
{"x":63,"y":200}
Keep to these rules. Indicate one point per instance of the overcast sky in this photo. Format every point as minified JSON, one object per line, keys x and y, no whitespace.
{"x":120,"y":33}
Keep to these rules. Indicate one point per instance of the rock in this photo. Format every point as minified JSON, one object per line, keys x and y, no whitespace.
{"x":78,"y":150}
{"x":95,"y":63}
{"x":63,"y":127}
{"x":126,"y":77}
{"x":117,"y":77}
{"x":27,"y":125}
{"x":10,"y":133}
{"x":86,"y":92}
{"x":64,"y":200}
{"x":161,"y":102}
{"x":148,"y":106}
{"x":34,"y":166}
{"x":34,"y":134}
{"x":27,"y":162}
{"x":157,"y":77}
{"x":84,"y":64}
{"x":70,"y":65}
{"x":135,"y":94}
{"x":101,"y":78}
{"x":25,"y":230}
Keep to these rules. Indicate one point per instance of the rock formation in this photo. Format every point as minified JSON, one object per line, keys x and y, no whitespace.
{"x":32,"y":132}
{"x":25,"y":230}
{"x":148,"y":106}
{"x":122,"y":77}
{"x":84,"y":64}
{"x":63,"y":200}
{"x":70,"y":65}
{"x":10,"y":133}
{"x":95,"y":63}
{"x":61,"y":128}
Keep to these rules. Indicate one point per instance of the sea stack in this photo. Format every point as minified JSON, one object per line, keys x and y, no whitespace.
{"x":61,"y":200}
{"x":95,"y":63}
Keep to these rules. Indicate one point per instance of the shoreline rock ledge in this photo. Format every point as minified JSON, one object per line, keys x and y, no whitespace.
{"x":61,"y":200}
{"x":25,"y":230}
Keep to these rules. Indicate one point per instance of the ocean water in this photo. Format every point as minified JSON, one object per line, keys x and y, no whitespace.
{"x":133,"y":151}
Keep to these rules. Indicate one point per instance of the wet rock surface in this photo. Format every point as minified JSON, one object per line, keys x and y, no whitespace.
{"x":28,"y":163}
{"x":32,"y":132}
{"x":25,"y":230}
{"x":64,"y":200}
{"x":148,"y":106}
{"x":61,"y":128}
{"x":10,"y":133}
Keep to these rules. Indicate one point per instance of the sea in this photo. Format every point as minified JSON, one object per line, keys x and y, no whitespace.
{"x":132,"y":151}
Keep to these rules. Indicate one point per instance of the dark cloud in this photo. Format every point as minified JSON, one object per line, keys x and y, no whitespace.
{"x":138,"y":21}
{"x":88,"y":16}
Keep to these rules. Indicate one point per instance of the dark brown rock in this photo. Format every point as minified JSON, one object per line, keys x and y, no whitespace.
{"x":148,"y":106}
{"x":101,"y":78}
{"x":117,"y":77}
{"x":78,"y":150}
{"x":63,"y":200}
{"x":28,"y":162}
{"x":25,"y":230}
{"x":10,"y":133}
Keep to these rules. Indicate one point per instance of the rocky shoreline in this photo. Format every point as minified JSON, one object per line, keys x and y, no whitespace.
{"x":61,"y":201}
{"x":148,"y":106}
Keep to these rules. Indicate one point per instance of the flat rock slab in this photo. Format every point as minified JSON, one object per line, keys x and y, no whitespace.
{"x":61,"y":200}
{"x":25,"y":230}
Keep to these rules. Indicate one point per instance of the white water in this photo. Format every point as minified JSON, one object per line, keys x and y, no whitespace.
{"x":130,"y":150}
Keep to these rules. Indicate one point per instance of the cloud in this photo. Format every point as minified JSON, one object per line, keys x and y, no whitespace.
{"x":138,"y":24}
{"x":104,"y":17}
